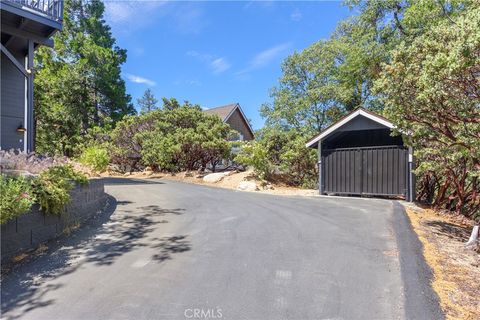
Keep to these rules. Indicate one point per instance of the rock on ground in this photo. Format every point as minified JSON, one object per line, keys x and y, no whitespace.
{"x":214,"y":177}
{"x":247,"y":186}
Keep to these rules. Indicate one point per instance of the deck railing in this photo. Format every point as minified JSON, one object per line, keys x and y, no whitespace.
{"x":51,"y":8}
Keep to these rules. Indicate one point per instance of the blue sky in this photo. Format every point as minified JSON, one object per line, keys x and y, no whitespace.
{"x":214,"y":53}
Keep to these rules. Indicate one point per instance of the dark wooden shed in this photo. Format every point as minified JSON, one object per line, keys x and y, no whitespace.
{"x":359,"y":156}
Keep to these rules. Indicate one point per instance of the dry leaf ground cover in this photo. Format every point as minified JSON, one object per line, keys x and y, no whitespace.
{"x":456,"y":269}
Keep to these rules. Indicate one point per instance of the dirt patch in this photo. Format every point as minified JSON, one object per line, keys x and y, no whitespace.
{"x":456,"y":270}
{"x":230,"y":181}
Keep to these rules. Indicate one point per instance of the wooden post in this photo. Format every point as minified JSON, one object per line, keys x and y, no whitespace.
{"x":320,"y":169}
{"x":411,"y":178}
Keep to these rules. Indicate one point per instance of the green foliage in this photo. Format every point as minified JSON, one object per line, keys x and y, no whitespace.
{"x":147,"y":102}
{"x":170,"y":104}
{"x":180,"y":137}
{"x":430,"y":91}
{"x":16,"y":197}
{"x":95,"y":157}
{"x":281,"y":156}
{"x":299,"y":163}
{"x":255,"y":155}
{"x":184,"y":138}
{"x":51,"y":190}
{"x":78,"y":83}
{"x":307,"y":97}
{"x":126,"y":145}
{"x":334,"y":76}
{"x":52,"y":187}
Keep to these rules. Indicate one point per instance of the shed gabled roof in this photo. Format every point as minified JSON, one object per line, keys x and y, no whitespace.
{"x":349,"y":117}
{"x":225,"y":112}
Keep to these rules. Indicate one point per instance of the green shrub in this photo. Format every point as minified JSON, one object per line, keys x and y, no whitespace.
{"x":16,"y":197}
{"x":280,"y":156}
{"x":66,"y":172}
{"x":52,"y":187}
{"x":95,"y":157}
{"x":51,"y":190}
{"x":175,"y":138}
{"x":254,"y":155}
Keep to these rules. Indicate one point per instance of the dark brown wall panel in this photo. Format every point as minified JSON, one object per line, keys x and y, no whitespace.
{"x":369,"y":170}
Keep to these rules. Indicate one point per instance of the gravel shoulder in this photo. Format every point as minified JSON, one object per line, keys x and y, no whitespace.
{"x":455,"y":269}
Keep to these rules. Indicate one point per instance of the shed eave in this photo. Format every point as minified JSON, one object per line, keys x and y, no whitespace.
{"x":359,"y":112}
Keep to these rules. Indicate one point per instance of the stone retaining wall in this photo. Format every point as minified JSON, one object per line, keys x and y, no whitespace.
{"x":29,"y":230}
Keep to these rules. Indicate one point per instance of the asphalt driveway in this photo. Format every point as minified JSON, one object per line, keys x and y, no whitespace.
{"x":168,"y":250}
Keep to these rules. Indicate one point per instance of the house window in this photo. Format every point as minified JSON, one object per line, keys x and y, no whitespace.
{"x":236,"y":136}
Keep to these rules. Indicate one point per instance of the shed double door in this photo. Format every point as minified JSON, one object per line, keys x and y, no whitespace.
{"x":366,"y":171}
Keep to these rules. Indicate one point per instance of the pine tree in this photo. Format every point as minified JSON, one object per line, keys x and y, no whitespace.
{"x":78,"y":83}
{"x":147,"y":102}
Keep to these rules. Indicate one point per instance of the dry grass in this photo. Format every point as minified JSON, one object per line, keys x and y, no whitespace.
{"x":455,"y":268}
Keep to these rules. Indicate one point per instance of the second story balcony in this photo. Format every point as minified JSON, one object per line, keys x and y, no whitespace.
{"x":46,"y":12}
{"x":52,"y":9}
{"x":36,"y":20}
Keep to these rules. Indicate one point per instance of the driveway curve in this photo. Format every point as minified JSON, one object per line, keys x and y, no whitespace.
{"x":169,"y":250}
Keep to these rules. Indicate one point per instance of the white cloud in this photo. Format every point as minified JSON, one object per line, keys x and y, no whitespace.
{"x":217,"y":64}
{"x":184,"y":17}
{"x":129,"y":11}
{"x":189,"y":19}
{"x":296,"y":15}
{"x":138,"y":51}
{"x":138,"y":79}
{"x":193,"y":83}
{"x":200,"y":56}
{"x":259,"y":3}
{"x":263,"y":58}
{"x":220,"y":65}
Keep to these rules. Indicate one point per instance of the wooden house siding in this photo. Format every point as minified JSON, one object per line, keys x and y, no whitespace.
{"x":238,"y":123}
{"x":12,"y":113}
{"x":25,"y":25}
{"x":233,"y":115}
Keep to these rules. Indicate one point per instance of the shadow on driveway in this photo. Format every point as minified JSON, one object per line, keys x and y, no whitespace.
{"x":100,"y":242}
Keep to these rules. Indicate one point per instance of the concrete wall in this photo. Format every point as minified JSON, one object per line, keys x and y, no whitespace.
{"x":12,"y":111}
{"x":33,"y":228}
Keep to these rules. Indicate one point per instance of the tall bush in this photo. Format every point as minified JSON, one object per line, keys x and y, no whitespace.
{"x":281,"y":156}
{"x":95,"y":157}
{"x":431,"y":92}
{"x":184,"y":138}
{"x":172,"y":139}
{"x":126,"y":145}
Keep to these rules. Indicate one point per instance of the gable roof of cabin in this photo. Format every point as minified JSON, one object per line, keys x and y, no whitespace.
{"x":226,"y":111}
{"x":347,"y":118}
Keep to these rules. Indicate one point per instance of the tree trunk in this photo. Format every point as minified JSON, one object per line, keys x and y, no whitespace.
{"x":473,"y":237}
